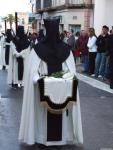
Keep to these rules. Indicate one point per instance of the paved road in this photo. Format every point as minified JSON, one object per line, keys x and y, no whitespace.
{"x":97,"y":118}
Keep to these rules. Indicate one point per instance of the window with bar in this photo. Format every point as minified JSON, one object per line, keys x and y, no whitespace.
{"x":38,"y":4}
{"x":76,"y":1}
{"x":58,"y":2}
{"x":47,"y":3}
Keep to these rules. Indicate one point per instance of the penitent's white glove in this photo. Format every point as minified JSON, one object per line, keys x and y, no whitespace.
{"x":18,"y":55}
{"x":35,"y":78}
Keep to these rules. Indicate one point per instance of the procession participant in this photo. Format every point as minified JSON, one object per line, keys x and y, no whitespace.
{"x":38,"y":124}
{"x":19,"y":49}
{"x":8,"y":39}
{"x":2,"y":56}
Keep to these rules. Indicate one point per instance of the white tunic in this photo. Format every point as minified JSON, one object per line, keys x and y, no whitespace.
{"x":33,"y":127}
{"x":13,"y":64}
{"x":2,"y":55}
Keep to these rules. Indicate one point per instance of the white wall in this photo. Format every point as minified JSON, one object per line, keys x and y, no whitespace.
{"x":67,"y":17}
{"x":103,"y":14}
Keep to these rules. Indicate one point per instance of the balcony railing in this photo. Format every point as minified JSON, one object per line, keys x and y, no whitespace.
{"x":51,"y":5}
{"x":76,"y":2}
{"x":56,"y":3}
{"x":62,"y":2}
{"x":38,"y":4}
{"x":47,"y":3}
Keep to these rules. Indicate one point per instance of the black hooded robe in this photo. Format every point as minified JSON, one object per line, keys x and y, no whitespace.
{"x":54,"y":52}
{"x":21,"y":42}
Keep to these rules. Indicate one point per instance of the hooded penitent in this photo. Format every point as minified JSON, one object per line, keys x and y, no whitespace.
{"x":21,"y":42}
{"x":52,"y":50}
{"x":9,"y":37}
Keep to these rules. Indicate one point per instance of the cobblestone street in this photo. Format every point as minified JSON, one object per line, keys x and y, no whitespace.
{"x":97,"y":118}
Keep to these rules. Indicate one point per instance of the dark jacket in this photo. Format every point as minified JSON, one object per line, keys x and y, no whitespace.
{"x":110,"y":53}
{"x":71,"y":42}
{"x":102,"y":43}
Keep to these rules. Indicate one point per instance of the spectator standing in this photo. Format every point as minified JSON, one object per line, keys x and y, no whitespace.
{"x":71,"y":40}
{"x":76,"y":51}
{"x":92,"y":48}
{"x":63,"y":36}
{"x":110,"y":54}
{"x":100,"y":63}
{"x":82,"y":46}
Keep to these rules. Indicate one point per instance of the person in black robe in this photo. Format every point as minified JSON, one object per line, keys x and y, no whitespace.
{"x":9,"y":38}
{"x":54,"y":52}
{"x":38,"y":124}
{"x":21,"y":42}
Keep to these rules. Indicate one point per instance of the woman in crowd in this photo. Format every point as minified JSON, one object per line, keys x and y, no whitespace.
{"x":92,"y":48}
{"x":82,"y":46}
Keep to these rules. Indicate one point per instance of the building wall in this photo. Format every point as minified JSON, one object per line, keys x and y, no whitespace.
{"x":70,"y":17}
{"x":24,"y":20}
{"x":103,"y":14}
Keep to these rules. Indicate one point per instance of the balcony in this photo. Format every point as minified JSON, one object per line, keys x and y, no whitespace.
{"x":76,"y":2}
{"x":38,"y":4}
{"x":54,"y":5}
{"x":63,"y":2}
{"x":47,"y":3}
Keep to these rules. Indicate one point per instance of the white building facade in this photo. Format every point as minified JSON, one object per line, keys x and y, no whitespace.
{"x":74,"y":14}
{"x":103,"y":14}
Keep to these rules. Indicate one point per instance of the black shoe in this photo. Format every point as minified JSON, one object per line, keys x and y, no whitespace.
{"x":41,"y":146}
{"x":15,"y":86}
{"x":4,"y":67}
{"x":111,"y":86}
{"x":58,"y":147}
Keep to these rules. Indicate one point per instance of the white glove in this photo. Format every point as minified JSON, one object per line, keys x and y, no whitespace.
{"x":22,"y":54}
{"x":18,"y":55}
{"x":35,"y":78}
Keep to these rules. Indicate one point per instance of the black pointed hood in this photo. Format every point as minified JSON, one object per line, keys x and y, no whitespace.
{"x":21,"y":40}
{"x":9,"y":36}
{"x":20,"y":31}
{"x":52,"y":32}
{"x":52,"y":50}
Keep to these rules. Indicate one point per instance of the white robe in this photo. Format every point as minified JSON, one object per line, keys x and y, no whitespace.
{"x":33,"y":127}
{"x":13,"y":64}
{"x":2,"y":55}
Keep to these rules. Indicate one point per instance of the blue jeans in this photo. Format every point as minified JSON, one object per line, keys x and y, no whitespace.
{"x":100,"y":64}
{"x":85,"y":62}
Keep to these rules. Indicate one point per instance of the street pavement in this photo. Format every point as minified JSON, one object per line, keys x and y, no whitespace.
{"x":97,"y":117}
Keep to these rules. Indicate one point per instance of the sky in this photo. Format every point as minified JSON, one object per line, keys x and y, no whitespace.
{"x":11,"y":6}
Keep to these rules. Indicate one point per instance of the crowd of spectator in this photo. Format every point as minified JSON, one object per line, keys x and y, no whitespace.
{"x":95,"y":52}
